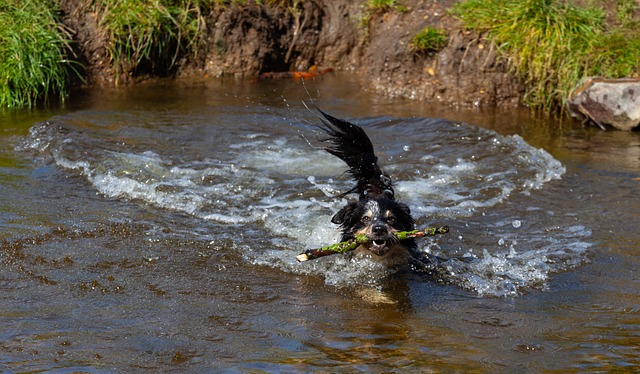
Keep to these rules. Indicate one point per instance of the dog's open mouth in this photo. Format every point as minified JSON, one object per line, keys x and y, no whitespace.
{"x":379,"y":246}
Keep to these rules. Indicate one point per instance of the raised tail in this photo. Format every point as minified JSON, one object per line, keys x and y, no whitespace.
{"x":352,"y":145}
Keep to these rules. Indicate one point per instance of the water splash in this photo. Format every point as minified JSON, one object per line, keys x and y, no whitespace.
{"x":274,"y":185}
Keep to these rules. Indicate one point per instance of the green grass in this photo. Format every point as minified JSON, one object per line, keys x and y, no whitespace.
{"x":151,"y":35}
{"x":428,"y":40}
{"x":33,"y":46}
{"x":373,"y":7}
{"x":625,"y":10}
{"x":552,"y":45}
{"x":381,"y":5}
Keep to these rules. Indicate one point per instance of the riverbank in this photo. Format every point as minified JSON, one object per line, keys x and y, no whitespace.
{"x":370,"y":39}
{"x":385,"y":41}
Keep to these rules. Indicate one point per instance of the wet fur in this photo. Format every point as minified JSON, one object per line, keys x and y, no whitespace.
{"x":376,"y":212}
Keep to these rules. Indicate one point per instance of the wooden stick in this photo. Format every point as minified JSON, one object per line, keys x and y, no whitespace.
{"x":429,"y":231}
{"x":350,"y":245}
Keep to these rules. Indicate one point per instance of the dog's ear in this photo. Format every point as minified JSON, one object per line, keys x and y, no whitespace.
{"x":404,"y":221}
{"x":344,"y":214}
{"x":405,"y":209}
{"x":406,"y":212}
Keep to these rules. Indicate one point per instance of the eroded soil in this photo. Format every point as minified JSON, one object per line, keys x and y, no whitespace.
{"x":249,"y":40}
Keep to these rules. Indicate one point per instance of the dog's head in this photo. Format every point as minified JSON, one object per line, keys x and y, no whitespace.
{"x":377,"y":218}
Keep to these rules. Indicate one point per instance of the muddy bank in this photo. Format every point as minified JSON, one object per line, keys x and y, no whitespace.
{"x":246,"y":41}
{"x":466,"y":72}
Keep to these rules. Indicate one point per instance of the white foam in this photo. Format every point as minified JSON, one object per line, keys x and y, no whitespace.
{"x":279,"y":156}
{"x":480,"y":180}
{"x":519,"y":263}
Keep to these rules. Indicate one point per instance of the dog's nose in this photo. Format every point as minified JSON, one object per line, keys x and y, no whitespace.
{"x":379,"y":229}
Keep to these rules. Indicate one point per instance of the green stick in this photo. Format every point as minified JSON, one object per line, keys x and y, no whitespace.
{"x":350,"y":245}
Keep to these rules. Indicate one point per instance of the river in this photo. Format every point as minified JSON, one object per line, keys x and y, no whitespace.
{"x":154,"y":229}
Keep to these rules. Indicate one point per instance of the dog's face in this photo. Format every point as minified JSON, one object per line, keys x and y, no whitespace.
{"x":377,"y":218}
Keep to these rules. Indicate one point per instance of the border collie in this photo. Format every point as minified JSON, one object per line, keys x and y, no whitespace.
{"x":376,"y":213}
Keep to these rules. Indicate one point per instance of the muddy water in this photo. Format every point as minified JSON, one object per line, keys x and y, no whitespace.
{"x":155,"y":229}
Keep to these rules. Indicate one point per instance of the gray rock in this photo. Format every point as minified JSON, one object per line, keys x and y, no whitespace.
{"x":613,"y":102}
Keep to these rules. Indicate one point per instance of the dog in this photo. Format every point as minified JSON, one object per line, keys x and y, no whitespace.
{"x":376,"y":213}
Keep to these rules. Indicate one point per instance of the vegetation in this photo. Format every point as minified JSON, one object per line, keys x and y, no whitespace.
{"x":552,"y":44}
{"x":150,"y":33}
{"x":625,"y":10}
{"x":280,"y":3}
{"x":33,"y":48}
{"x":428,"y":39}
{"x":144,"y":35}
{"x":372,"y":7}
{"x":381,"y":5}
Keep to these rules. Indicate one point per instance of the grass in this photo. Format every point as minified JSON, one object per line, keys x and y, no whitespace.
{"x":223,"y":3}
{"x":151,"y":35}
{"x":373,"y":7}
{"x":428,"y":40}
{"x":381,"y":5}
{"x":33,"y":46}
{"x":144,"y":36}
{"x":552,"y":45}
{"x":625,"y":10}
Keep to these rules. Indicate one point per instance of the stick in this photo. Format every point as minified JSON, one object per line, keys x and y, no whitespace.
{"x":350,"y":245}
{"x":429,"y":231}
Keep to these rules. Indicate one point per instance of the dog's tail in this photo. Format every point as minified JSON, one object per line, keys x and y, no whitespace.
{"x":352,"y":145}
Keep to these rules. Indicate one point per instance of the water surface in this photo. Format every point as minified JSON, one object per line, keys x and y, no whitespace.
{"x":155,"y":228}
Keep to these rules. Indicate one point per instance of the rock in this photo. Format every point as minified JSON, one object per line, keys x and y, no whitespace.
{"x":613,"y":102}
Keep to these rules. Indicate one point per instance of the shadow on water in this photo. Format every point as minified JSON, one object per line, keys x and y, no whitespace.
{"x":155,"y":228}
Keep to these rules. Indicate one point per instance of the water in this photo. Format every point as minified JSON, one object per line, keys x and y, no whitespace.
{"x":155,"y":228}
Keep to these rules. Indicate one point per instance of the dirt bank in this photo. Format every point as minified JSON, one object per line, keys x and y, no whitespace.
{"x":245,"y":41}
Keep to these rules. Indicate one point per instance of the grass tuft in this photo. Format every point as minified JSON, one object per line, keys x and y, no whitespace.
{"x":33,"y":66}
{"x":378,"y":7}
{"x":428,"y":40}
{"x":381,"y":5}
{"x":552,"y":45}
{"x":150,"y":34}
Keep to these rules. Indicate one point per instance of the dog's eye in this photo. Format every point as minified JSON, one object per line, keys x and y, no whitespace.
{"x":365,"y":219}
{"x":391,"y":220}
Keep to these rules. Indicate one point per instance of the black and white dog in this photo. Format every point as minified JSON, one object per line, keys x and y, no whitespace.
{"x":376,"y":213}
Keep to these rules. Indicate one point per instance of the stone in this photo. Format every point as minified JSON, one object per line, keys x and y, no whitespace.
{"x":613,"y":102}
